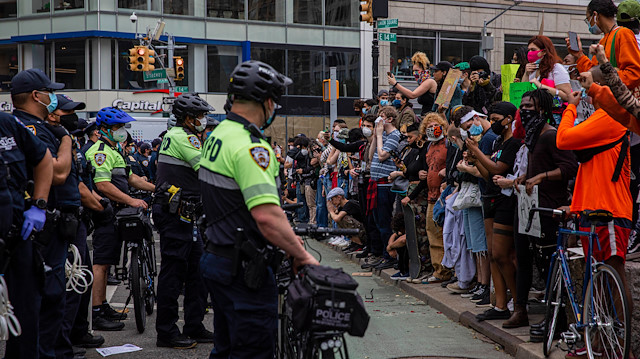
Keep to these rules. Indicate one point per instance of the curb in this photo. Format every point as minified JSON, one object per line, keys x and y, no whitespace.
{"x":514,"y":341}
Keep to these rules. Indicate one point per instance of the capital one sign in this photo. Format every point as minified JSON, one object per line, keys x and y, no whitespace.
{"x":140,"y":105}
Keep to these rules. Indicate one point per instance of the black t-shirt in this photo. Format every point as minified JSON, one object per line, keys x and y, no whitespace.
{"x":415,"y":161}
{"x":547,"y":157}
{"x":353,"y":209}
{"x":503,"y":151}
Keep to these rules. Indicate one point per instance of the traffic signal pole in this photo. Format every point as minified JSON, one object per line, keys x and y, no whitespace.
{"x":375,"y":54}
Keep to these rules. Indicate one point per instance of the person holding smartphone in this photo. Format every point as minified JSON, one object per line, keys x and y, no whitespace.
{"x":427,"y":87}
{"x":545,"y":68}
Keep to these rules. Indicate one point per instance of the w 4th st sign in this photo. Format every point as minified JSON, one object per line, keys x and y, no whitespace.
{"x":387,"y":36}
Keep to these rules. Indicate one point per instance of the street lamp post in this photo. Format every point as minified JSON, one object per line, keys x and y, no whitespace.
{"x":486,"y":44}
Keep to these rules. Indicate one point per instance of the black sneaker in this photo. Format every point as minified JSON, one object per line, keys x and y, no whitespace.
{"x":112,"y":314}
{"x":479,"y":294}
{"x":472,"y":291}
{"x":90,"y":341}
{"x":102,"y":323}
{"x":371,"y":262}
{"x":386,"y":264}
{"x":634,"y":245}
{"x":485,"y":301}
{"x":363,"y":254}
{"x":178,"y":342}
{"x":492,"y":314}
{"x":203,"y":336}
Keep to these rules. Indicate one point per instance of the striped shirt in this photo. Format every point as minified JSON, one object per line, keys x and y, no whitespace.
{"x":384,"y":169}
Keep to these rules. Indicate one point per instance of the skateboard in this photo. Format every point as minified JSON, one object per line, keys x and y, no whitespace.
{"x":412,"y":242}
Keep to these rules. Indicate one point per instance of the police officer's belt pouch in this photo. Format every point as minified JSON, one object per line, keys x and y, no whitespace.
{"x":68,"y":226}
{"x":130,"y":224}
{"x":325,"y":299}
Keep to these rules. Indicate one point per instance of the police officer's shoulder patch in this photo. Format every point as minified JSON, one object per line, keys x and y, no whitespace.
{"x":100,"y":158}
{"x":132,"y":159}
{"x":145,"y":163}
{"x":31,"y":128}
{"x":260,"y":156}
{"x":194,"y":141}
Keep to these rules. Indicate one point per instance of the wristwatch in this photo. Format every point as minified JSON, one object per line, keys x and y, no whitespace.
{"x":40,"y":203}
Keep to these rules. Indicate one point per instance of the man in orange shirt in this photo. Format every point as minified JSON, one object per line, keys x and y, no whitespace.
{"x":620,"y":43}
{"x":600,"y":183}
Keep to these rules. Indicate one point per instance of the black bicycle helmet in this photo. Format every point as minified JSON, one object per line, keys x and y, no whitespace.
{"x":256,"y":81}
{"x":190,"y":104}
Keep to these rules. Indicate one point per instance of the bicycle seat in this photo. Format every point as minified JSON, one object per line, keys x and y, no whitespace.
{"x":600,"y":216}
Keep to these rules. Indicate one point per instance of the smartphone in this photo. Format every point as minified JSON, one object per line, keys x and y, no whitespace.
{"x":389,"y":74}
{"x":573,"y":41}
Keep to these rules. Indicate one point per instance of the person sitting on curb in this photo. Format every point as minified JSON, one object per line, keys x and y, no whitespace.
{"x":346,"y":213}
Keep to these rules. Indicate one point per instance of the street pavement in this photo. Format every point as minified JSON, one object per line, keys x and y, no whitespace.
{"x":401,"y":326}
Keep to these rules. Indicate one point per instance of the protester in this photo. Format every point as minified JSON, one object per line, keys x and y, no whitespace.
{"x":545,"y":69}
{"x":520,"y":58}
{"x":481,"y":94}
{"x":427,"y":87}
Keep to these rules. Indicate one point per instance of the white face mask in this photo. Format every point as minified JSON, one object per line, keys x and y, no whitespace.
{"x":119,"y":135}
{"x":464,"y":134}
{"x":202,"y":124}
{"x":366,"y":131}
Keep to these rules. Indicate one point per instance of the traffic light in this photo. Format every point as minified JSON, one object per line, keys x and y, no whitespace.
{"x":366,"y":6}
{"x":137,"y":58}
{"x":149,"y":59}
{"x":179,"y":68}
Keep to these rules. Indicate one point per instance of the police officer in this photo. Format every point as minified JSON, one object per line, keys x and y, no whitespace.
{"x":33,"y":107}
{"x":22,"y":157}
{"x":238,"y":173}
{"x":111,"y":181}
{"x":130,"y":151}
{"x":175,"y":214}
{"x":142,"y":158}
{"x":153,"y":159}
{"x":91,"y":131}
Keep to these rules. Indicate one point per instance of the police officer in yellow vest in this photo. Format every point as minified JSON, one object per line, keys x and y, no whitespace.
{"x":238,"y":171}
{"x":175,"y":213}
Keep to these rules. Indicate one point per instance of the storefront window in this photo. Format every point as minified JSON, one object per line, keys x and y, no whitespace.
{"x":226,"y":9}
{"x":178,"y":7}
{"x":456,"y":51}
{"x":409,"y":42}
{"x":152,"y":5}
{"x":305,"y":68}
{"x":221,"y":60}
{"x":341,"y":13}
{"x":70,"y":63}
{"x":8,"y":9}
{"x":307,"y":12}
{"x":266,"y":10}
{"x":8,"y":65}
{"x":271,"y":56}
{"x":347,"y":71}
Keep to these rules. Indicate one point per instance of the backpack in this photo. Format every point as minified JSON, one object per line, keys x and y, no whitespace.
{"x":587,"y":154}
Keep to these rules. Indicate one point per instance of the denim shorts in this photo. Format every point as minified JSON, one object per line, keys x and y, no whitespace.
{"x":474,"y":229}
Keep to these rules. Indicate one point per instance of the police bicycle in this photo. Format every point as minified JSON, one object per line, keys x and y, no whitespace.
{"x":603,"y":314}
{"x":135,"y":230}
{"x":317,"y":306}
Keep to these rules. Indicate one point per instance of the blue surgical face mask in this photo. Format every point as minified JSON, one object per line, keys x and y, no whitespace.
{"x":53,"y":102}
{"x":397,"y":103}
{"x":595,"y":29}
{"x":384,"y":102}
{"x":475,"y":130}
{"x":365,"y":110}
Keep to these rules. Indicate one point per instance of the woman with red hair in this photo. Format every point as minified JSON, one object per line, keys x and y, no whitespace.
{"x":545,"y":68}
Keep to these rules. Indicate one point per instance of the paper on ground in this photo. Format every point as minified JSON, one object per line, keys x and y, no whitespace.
{"x":127,"y":348}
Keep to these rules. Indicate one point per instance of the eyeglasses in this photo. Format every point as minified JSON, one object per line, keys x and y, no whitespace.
{"x":587,"y":20}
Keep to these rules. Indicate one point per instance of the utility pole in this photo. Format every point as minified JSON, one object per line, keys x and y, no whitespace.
{"x":486,"y":44}
{"x":375,"y":54}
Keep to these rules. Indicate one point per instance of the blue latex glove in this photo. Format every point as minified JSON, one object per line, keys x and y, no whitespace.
{"x":34,"y":219}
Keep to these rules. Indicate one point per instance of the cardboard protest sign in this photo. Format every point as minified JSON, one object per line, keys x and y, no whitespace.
{"x":448,"y":88}
{"x":525,"y":203}
{"x":508,"y":73}
{"x":585,"y":108}
{"x":517,"y":89}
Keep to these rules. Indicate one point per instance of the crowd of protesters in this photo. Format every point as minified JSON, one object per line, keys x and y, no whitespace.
{"x":462,"y":167}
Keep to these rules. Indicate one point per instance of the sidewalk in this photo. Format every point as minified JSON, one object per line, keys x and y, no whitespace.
{"x":515,"y":341}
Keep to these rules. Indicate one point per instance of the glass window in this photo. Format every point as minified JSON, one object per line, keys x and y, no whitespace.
{"x":305,"y":68}
{"x":458,"y":51}
{"x":266,"y":10}
{"x":68,"y":4}
{"x":178,"y":7}
{"x":341,"y":13}
{"x":307,"y":12}
{"x":347,"y":71}
{"x":8,"y":65}
{"x":221,"y":60}
{"x":410,"y":41}
{"x":41,"y":6}
{"x":153,"y":5}
{"x":70,"y":63}
{"x":271,"y":56}
{"x":127,"y":79}
{"x":8,"y":9}
{"x":227,"y":9}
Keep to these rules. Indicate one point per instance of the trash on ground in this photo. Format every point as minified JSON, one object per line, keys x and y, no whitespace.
{"x":127,"y":348}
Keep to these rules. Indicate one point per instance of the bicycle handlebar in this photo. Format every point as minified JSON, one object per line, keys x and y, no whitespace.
{"x":552,"y":211}
{"x":312,"y":229}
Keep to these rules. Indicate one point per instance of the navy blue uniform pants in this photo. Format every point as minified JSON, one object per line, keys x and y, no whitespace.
{"x":245,"y":323}
{"x":53,"y":294}
{"x":179,"y":269}
{"x":72,"y":300}
{"x":25,"y":295}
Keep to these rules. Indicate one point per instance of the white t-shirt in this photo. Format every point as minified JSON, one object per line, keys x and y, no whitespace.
{"x":638,"y":39}
{"x":558,"y":75}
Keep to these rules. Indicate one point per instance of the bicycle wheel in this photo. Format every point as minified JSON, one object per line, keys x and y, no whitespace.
{"x":606,"y":310}
{"x":554,"y":306}
{"x":138,"y":287}
{"x":150,"y":280}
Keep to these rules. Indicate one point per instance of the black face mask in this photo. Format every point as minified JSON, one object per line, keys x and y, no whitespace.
{"x":526,"y":116}
{"x":70,"y":122}
{"x":497,"y":127}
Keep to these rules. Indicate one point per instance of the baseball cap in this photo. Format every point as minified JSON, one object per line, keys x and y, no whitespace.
{"x":82,"y":124}
{"x":66,"y":103}
{"x":383,"y":92}
{"x":90,"y":127}
{"x":631,"y":8}
{"x":335,"y":192}
{"x":442,"y":66}
{"x":32,"y":79}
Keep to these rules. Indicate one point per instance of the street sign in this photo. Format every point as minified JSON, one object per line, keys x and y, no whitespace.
{"x":163,"y":81}
{"x":387,"y":36}
{"x":182,"y":89}
{"x":154,"y":75}
{"x":387,"y":23}
{"x":171,"y":72}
